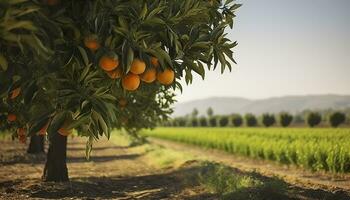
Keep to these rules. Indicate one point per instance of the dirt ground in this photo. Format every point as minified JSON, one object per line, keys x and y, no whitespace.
{"x":114,"y":172}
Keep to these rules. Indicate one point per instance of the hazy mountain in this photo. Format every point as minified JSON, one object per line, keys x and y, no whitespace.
{"x":228,"y":105}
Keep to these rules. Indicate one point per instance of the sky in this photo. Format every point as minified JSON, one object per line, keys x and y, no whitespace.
{"x":284,"y":48}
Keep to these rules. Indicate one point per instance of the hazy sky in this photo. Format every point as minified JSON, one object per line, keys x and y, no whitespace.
{"x":285,"y":48}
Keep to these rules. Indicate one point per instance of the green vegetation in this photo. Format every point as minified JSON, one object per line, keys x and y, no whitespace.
{"x":230,"y":184}
{"x":309,"y":118}
{"x":315,"y":149}
{"x":250,"y":120}
{"x":268,"y":120}
{"x":336,"y":118}
{"x":237,"y":120}
{"x":313,"y":119}
{"x":285,"y":119}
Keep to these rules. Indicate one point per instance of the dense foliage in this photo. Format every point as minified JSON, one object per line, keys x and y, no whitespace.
{"x":313,"y":119}
{"x":337,"y":118}
{"x":268,"y":120}
{"x":285,"y":119}
{"x":69,"y":64}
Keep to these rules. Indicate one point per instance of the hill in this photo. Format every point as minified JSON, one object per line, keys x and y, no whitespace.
{"x":293,"y":104}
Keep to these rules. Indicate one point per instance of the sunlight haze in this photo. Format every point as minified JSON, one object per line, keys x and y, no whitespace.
{"x":285,"y":48}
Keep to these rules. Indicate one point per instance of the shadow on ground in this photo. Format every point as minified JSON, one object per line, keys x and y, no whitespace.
{"x":170,"y":185}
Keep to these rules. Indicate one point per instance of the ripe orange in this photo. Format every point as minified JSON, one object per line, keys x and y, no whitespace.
{"x":91,"y":42}
{"x":14,"y":93}
{"x":64,"y":131}
{"x":108,"y":63}
{"x":11,"y":117}
{"x":44,"y":129}
{"x":155,"y":61}
{"x":131,"y":82}
{"x":117,"y":73}
{"x":149,"y":75}
{"x":166,"y":77}
{"x":137,"y":66}
{"x":123,"y":102}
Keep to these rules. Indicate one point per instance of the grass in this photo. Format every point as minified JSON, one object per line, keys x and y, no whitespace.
{"x":230,"y":184}
{"x":323,"y":149}
{"x":6,"y":135}
{"x":154,"y":155}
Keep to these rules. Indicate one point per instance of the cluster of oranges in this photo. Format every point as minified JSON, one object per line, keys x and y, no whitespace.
{"x":138,"y":71}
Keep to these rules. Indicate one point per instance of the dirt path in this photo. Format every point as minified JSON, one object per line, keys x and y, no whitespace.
{"x":114,"y":172}
{"x":292,"y":175}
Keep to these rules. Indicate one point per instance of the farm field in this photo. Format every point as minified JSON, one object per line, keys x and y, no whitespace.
{"x":120,"y":170}
{"x":315,"y":149}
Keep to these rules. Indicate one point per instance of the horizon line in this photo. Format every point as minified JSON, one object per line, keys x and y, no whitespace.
{"x":265,"y":98}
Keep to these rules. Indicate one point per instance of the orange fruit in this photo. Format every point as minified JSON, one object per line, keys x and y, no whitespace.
{"x":108,"y":63}
{"x":11,"y":117}
{"x":131,"y":82}
{"x":91,"y":42}
{"x":155,"y":61}
{"x":149,"y":75}
{"x":14,"y":93}
{"x":64,"y":131}
{"x":117,"y":73}
{"x":123,"y":102}
{"x":43,"y":130}
{"x":137,"y":66}
{"x":166,"y":77}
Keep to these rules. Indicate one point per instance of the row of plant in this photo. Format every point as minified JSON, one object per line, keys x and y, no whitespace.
{"x":316,"y":149}
{"x":282,"y":119}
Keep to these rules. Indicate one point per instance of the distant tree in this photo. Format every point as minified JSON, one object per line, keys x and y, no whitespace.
{"x":250,"y":120}
{"x":181,"y":121}
{"x":210,"y":112}
{"x":203,"y":121}
{"x":268,"y":119}
{"x":174,"y":122}
{"x":194,"y":122}
{"x":237,"y":120}
{"x":336,"y":118}
{"x":285,"y":119}
{"x":213,"y":121}
{"x":223,"y":120}
{"x":194,"y":113}
{"x":313,"y":119}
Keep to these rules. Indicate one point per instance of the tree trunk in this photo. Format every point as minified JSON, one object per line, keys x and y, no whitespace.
{"x":56,"y":165}
{"x":36,"y":144}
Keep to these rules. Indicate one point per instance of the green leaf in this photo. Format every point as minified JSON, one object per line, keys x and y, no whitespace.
{"x":84,"y":55}
{"x":3,"y":62}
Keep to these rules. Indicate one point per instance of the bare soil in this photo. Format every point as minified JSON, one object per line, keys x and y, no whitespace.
{"x":112,"y":173}
{"x":117,"y":172}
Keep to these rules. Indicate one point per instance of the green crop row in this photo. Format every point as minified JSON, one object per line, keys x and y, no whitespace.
{"x":315,"y":149}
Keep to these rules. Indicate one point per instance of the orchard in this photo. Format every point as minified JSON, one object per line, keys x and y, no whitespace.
{"x":97,"y":65}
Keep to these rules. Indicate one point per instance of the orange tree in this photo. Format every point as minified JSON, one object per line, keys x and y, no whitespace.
{"x":94,"y":65}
